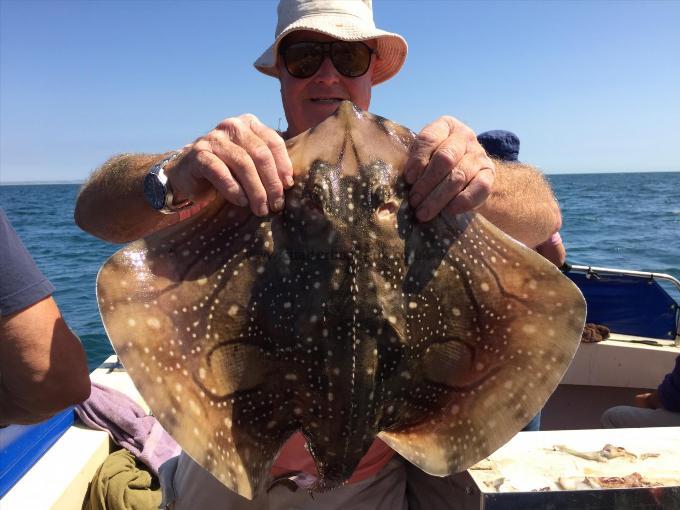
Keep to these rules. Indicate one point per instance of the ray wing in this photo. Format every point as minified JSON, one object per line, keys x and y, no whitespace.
{"x":503,"y":324}
{"x":178,"y":309}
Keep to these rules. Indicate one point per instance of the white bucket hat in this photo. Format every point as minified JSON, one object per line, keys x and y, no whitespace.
{"x":347,"y":20}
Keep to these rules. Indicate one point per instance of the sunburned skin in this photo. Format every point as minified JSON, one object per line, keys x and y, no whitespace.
{"x":343,"y":317}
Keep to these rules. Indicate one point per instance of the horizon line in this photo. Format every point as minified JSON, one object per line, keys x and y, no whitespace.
{"x":79,"y":181}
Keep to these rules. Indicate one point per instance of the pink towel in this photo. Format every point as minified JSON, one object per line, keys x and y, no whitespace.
{"x":128,"y":425}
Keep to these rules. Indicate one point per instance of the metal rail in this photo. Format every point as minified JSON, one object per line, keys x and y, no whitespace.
{"x":594,"y":272}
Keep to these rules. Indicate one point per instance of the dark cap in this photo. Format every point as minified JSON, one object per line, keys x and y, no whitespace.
{"x":500,"y":144}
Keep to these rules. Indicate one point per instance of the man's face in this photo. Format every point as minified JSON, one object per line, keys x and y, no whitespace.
{"x":308,"y":101}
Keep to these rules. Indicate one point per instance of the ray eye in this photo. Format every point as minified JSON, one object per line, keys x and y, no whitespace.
{"x":381,"y":195}
{"x":315,"y":198}
{"x":387,"y":209}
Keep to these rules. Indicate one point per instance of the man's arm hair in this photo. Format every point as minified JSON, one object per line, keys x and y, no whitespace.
{"x":522,"y":204}
{"x":111,"y":203}
{"x":43,"y":368}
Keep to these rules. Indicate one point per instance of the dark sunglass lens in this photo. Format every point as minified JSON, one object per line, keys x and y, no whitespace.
{"x":351,"y":58}
{"x":302,"y":59}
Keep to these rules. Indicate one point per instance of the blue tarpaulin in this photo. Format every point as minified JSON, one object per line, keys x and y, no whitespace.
{"x":627,"y":304}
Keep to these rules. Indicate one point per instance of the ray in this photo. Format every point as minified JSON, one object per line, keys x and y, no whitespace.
{"x":342,"y":318}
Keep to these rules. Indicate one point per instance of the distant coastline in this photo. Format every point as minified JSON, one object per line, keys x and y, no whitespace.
{"x":38,"y":183}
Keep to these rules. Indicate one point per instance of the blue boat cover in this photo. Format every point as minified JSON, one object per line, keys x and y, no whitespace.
{"x":22,"y":445}
{"x":630,"y":305}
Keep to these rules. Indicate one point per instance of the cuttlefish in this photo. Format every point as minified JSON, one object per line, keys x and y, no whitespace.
{"x":342,"y":317}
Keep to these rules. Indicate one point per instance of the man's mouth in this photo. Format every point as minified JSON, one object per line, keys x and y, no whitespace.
{"x":327,"y":100}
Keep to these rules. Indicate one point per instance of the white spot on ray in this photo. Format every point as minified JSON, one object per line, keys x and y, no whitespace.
{"x":194,"y":407}
{"x":153,"y":323}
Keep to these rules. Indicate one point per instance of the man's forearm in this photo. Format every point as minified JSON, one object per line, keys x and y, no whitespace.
{"x":111,"y":203}
{"x":522,"y":204}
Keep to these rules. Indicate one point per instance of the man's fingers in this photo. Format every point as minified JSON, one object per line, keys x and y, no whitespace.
{"x":278,"y":149}
{"x":444,"y":159}
{"x":427,"y":141}
{"x":242,"y":168}
{"x":259,"y":160}
{"x":464,"y":189}
{"x":472,"y":196}
{"x":213,"y":169}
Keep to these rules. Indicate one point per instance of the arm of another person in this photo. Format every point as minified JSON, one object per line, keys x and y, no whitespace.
{"x":43,"y":368}
{"x":449,"y":170}
{"x":241,"y":159}
{"x":553,"y":249}
{"x":666,"y":396}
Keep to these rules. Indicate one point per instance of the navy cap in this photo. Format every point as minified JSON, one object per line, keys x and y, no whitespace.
{"x":503,"y":145}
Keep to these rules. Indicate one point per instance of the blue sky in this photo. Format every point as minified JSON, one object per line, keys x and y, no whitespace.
{"x":588,"y":86}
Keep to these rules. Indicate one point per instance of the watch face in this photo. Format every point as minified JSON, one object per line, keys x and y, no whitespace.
{"x":154,"y":191}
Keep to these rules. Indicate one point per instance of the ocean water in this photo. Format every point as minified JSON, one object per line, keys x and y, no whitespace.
{"x":628,"y":221}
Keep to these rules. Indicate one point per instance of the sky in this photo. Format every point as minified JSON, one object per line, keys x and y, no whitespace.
{"x":587,"y":86}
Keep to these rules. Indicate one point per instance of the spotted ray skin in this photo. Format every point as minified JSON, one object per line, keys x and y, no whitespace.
{"x":343,"y":318}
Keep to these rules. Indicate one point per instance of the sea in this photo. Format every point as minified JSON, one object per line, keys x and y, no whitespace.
{"x":617,"y":220}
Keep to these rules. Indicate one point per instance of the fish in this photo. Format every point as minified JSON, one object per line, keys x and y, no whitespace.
{"x":343,"y":317}
{"x":607,"y":453}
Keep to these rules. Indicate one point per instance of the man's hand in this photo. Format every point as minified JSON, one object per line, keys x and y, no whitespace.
{"x":449,"y":170}
{"x":647,"y":400}
{"x":241,"y":159}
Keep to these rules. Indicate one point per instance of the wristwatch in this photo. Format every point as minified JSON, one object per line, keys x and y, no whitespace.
{"x":157,"y":189}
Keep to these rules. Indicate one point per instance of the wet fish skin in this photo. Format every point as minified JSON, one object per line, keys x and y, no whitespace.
{"x":342,"y":317}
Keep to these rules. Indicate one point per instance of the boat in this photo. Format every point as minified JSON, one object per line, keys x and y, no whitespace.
{"x":49,"y":465}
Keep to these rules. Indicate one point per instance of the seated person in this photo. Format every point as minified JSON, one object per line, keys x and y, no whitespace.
{"x":659,"y":408}
{"x":43,"y":368}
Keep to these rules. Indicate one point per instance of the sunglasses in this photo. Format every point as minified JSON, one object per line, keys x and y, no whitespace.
{"x":303,"y":59}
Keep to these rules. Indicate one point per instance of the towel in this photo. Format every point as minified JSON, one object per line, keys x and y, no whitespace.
{"x":128,"y":425}
{"x":121,"y":483}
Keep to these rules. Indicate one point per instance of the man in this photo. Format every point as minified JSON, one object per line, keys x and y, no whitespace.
{"x":43,"y":368}
{"x":324,"y":51}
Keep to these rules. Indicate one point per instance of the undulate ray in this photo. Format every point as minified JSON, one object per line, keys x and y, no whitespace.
{"x":343,"y":318}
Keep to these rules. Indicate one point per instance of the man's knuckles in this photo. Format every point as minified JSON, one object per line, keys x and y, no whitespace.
{"x":445,"y":158}
{"x":262,"y":155}
{"x":426,"y":141}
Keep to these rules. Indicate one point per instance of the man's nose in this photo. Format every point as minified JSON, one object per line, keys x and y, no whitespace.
{"x":327,"y":73}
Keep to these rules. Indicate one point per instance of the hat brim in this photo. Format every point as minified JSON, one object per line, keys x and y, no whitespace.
{"x":391,"y":50}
